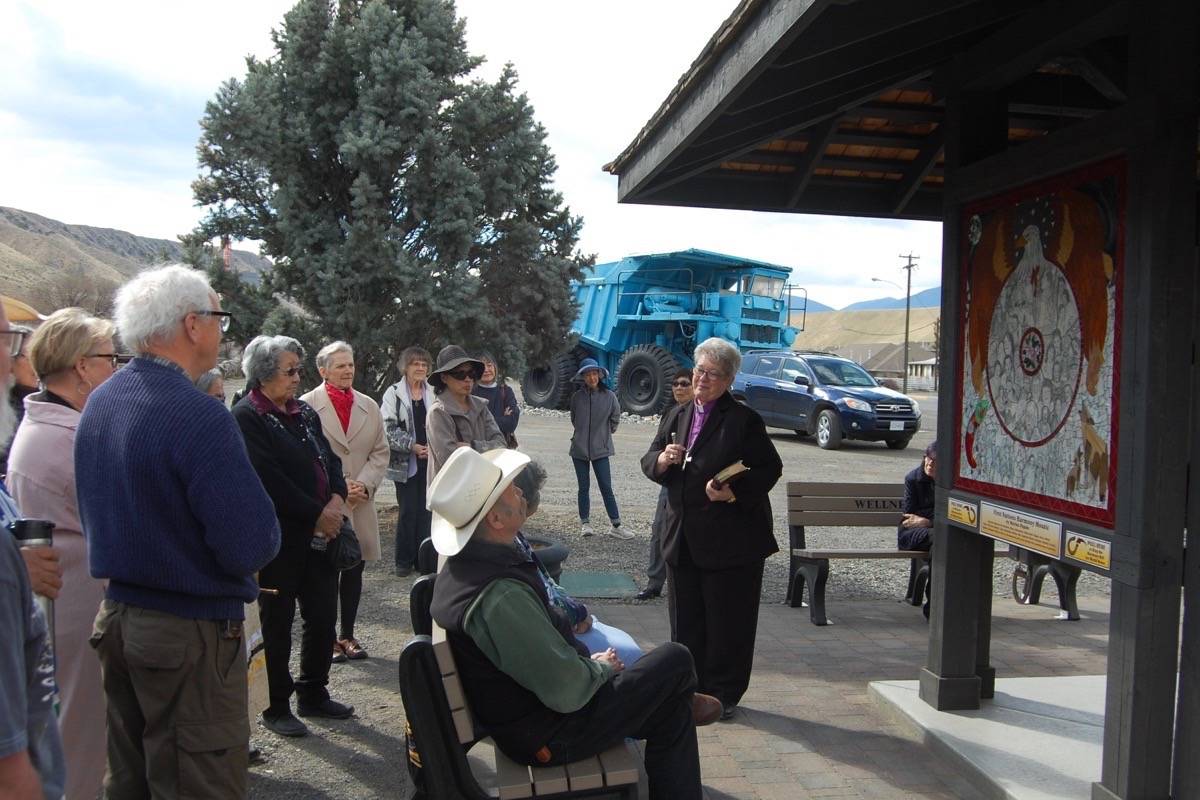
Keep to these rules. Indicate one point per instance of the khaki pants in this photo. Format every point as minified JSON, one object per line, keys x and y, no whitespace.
{"x":176,"y":691}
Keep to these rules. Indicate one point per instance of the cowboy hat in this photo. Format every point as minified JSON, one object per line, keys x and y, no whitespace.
{"x":590,"y":363}
{"x":464,"y":490}
{"x":451,"y":357}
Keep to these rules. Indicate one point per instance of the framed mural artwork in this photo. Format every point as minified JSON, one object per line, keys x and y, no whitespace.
{"x":1040,"y":332}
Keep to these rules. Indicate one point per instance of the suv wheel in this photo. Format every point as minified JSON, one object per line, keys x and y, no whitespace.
{"x":829,"y":430}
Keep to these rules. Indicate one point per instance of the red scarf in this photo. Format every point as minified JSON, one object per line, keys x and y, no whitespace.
{"x":343,"y":401}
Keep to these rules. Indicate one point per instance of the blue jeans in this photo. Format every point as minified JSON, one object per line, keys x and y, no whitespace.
{"x":603,"y":480}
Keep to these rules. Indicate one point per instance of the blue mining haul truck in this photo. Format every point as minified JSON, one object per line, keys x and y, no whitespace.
{"x":642,"y":317}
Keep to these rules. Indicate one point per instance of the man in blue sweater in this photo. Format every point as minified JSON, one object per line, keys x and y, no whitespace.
{"x":178,"y":523}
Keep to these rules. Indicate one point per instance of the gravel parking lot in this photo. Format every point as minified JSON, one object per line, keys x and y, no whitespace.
{"x":362,"y":756}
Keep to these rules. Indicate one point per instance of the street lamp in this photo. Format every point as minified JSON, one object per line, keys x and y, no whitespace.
{"x":907,"y":309}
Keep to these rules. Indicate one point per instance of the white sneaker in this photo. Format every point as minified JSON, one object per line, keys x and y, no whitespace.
{"x":619,"y":532}
{"x":586,"y":529}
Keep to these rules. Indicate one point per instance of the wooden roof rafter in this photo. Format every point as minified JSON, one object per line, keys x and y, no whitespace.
{"x":848,"y":105}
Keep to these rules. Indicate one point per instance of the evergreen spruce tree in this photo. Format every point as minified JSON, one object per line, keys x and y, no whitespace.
{"x":402,"y":202}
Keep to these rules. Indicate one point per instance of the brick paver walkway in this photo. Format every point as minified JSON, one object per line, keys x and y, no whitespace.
{"x":807,"y":727}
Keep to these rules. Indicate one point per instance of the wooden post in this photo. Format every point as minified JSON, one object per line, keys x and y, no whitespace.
{"x":1187,"y":713}
{"x":957,"y":672}
{"x":1156,"y":383}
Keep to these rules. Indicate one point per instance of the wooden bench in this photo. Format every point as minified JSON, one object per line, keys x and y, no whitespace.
{"x":843,"y":505}
{"x":445,"y":733}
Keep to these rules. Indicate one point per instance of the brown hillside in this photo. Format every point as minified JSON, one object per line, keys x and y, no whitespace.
{"x":35,"y":251}
{"x":835,"y":329}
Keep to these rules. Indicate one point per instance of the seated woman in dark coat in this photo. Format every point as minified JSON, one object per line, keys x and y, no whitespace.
{"x":305,"y":481}
{"x":916,"y":526}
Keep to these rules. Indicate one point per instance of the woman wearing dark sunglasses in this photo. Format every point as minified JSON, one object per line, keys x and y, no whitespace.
{"x":457,"y":418}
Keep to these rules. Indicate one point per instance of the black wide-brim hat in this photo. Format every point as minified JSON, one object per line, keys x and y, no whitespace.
{"x":452,"y":357}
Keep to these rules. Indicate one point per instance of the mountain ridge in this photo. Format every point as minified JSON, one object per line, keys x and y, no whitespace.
{"x":36,"y":251}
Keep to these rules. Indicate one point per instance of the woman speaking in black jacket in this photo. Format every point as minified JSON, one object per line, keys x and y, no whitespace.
{"x":715,"y":536}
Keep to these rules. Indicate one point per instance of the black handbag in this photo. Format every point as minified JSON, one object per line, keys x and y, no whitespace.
{"x":344,"y":552}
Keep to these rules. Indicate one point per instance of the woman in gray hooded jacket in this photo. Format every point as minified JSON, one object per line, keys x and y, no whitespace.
{"x":595,"y":414}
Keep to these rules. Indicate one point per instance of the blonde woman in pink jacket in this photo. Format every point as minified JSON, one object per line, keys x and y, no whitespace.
{"x":72,"y":353}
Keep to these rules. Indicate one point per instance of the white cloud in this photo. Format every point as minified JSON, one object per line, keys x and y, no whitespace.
{"x":103,"y":101}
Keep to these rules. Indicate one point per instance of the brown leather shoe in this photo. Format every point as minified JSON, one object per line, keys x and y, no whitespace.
{"x":706,"y":709}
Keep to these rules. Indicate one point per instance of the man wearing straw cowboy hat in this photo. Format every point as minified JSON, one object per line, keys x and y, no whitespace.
{"x":538,"y":693}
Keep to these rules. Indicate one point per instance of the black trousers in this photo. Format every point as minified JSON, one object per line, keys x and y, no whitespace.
{"x":715,"y":613}
{"x":412,"y":526}
{"x":651,"y":700}
{"x":302,"y":575}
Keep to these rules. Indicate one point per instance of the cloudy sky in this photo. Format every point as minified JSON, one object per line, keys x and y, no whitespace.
{"x":99,"y":106}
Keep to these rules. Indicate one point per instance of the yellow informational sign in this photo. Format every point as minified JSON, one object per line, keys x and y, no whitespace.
{"x":1096,"y":552}
{"x":962,"y":512}
{"x":1038,"y":534}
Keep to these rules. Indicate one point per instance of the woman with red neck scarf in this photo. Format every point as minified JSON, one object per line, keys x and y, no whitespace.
{"x":353,"y":425}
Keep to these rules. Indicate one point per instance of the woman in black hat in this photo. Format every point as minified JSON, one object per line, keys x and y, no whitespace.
{"x":457,"y":418}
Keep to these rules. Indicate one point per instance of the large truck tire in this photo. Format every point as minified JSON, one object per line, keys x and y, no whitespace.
{"x":644,"y":379}
{"x":550,"y":386}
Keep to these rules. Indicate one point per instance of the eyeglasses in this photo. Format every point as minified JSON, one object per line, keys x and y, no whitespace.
{"x":224,"y":318}
{"x":681,"y":384}
{"x":700,"y":372}
{"x":16,"y":340}
{"x":462,"y":375}
{"x":113,"y":358}
{"x":293,"y":372}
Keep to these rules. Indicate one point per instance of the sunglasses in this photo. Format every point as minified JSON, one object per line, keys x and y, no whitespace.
{"x":293,"y":372}
{"x":16,"y":340}
{"x":681,"y":384}
{"x":462,"y":375}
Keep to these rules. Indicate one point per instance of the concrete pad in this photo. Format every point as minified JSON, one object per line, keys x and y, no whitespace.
{"x":1038,"y":739}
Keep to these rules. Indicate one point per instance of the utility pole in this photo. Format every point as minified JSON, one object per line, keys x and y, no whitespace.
{"x":908,"y":268}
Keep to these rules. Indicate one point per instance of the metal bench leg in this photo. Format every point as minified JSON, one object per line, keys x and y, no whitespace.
{"x":1065,"y":577}
{"x":917,"y":581}
{"x":1037,"y":576}
{"x":794,"y":598}
{"x":816,"y":573}
{"x":795,"y":594}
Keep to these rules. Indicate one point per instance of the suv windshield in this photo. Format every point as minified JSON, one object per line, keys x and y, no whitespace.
{"x":834,"y":372}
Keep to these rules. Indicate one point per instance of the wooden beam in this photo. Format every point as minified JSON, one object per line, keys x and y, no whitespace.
{"x":1160,"y":274}
{"x":732,"y":136}
{"x":865,"y":164}
{"x":1068,"y":95}
{"x":899,"y":112}
{"x":1096,"y":71}
{"x":844,"y":197}
{"x":957,"y":673}
{"x":1025,"y":43}
{"x":775,"y":25}
{"x":916,"y":171}
{"x":1187,"y":712}
{"x":879,"y":139}
{"x":818,"y":140}
{"x":860,"y":40}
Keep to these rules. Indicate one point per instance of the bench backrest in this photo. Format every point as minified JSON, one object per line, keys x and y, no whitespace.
{"x":456,"y":698}
{"x":845,"y":504}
